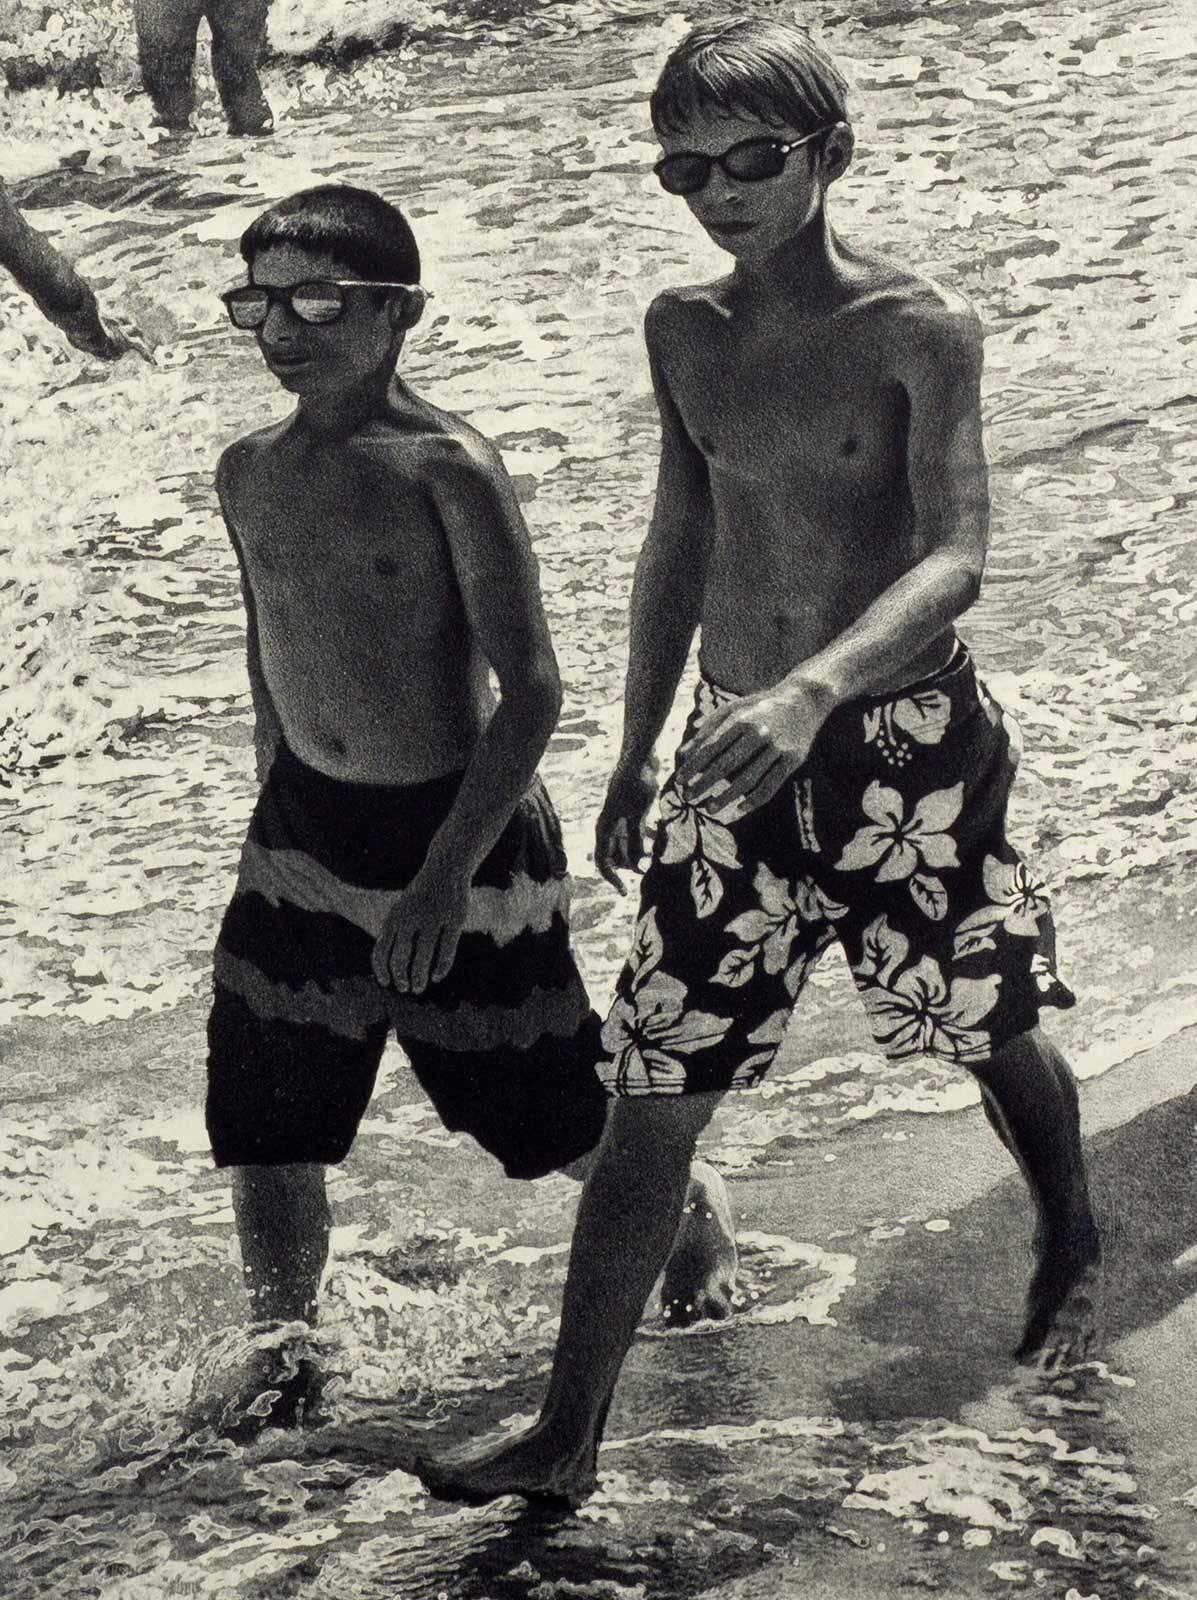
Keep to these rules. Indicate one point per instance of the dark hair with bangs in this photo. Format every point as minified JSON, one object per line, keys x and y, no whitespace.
{"x":757,"y":67}
{"x":357,"y":227}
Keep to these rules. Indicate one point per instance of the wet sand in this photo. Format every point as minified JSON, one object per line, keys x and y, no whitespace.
{"x":858,"y":1428}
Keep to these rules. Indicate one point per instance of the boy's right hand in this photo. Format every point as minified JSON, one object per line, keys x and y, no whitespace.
{"x":619,"y":840}
{"x":419,"y":938}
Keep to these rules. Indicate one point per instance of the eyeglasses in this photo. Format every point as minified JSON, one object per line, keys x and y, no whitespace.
{"x":322,"y":300}
{"x":750,"y":161}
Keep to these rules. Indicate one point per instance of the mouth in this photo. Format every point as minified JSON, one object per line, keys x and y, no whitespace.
{"x":286,"y":364}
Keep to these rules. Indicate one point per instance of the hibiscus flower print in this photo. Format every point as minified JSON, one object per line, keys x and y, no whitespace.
{"x":692,"y":835}
{"x":648,"y":1032}
{"x":769,"y":1035}
{"x":770,"y":930}
{"x":1018,"y":904}
{"x":923,"y":717}
{"x":899,"y":846}
{"x":912,"y":1010}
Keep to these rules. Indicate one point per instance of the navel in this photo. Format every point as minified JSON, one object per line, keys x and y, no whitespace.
{"x":706,"y":444}
{"x":385,"y":566}
{"x":850,"y":447}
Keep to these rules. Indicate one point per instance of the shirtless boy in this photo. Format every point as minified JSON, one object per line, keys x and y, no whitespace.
{"x":821,"y":515}
{"x":404,"y":866}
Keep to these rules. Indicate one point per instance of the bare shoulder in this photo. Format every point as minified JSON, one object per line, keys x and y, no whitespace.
{"x":238,"y":459}
{"x":680,"y":315}
{"x":438,"y":456}
{"x":927,"y":324}
{"x":438,"y":451}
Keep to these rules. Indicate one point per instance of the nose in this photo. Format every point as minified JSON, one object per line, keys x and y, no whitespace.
{"x":719,"y":192}
{"x":279,"y":324}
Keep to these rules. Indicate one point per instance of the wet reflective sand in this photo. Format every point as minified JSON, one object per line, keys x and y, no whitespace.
{"x":1040,"y":158}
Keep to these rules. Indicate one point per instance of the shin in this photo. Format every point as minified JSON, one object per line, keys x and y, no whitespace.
{"x":282,"y":1222}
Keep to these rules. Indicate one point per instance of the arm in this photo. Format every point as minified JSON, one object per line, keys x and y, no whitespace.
{"x":497,"y":574}
{"x":59,"y":293}
{"x":666,"y":607}
{"x":268,"y":729}
{"x":759,"y":742}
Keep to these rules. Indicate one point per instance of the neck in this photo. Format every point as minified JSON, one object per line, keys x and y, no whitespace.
{"x":343,"y":412}
{"x":807,"y":267}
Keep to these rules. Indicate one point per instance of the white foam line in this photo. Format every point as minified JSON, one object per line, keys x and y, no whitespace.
{"x":725,"y":1434}
{"x":1153,"y":1026}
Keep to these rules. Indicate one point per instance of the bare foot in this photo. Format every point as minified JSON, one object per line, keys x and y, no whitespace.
{"x":700,"y":1274}
{"x":525,"y":1465}
{"x":1061,"y":1322}
{"x":276,"y":1383}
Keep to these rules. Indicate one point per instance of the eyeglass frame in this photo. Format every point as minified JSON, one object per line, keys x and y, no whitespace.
{"x":283,"y":294}
{"x":784,"y":148}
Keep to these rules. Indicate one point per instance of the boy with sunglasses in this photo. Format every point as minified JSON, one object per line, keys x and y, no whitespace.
{"x":404,"y":867}
{"x":821,"y":514}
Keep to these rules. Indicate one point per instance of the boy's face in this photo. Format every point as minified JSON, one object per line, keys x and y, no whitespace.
{"x":307,"y":357}
{"x":750,"y":220}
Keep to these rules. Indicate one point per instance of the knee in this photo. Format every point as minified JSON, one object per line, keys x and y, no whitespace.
{"x":657,"y":1136}
{"x":1030,"y":1059}
{"x":276,"y":1193}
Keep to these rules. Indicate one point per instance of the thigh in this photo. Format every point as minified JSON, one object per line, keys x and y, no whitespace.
{"x":949,"y":934}
{"x":282,"y":1092}
{"x":729,"y":927}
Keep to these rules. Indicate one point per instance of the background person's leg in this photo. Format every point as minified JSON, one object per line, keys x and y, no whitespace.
{"x":1031,"y":1100}
{"x":166,"y":32}
{"x":238,"y":36}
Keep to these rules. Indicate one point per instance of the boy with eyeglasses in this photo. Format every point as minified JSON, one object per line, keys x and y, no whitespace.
{"x":821,"y":514}
{"x":404,"y":867}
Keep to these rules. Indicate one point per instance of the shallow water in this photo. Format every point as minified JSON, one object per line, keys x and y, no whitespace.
{"x":1039,"y":157}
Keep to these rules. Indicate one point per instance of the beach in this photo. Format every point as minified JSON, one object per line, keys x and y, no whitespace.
{"x":857,"y":1424}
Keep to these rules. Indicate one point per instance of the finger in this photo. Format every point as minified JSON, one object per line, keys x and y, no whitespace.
{"x":707,"y":726}
{"x":709,"y":745}
{"x":711,"y":735}
{"x":446,"y":955}
{"x":423,"y":954}
{"x":126,"y":334}
{"x":606,"y":865}
{"x":401,"y":958}
{"x":611,"y":849}
{"x":380,"y":960}
{"x":722,"y":765}
{"x":758,"y":782}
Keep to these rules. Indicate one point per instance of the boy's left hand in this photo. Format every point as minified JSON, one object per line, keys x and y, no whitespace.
{"x":745,"y":751}
{"x":419,"y":938}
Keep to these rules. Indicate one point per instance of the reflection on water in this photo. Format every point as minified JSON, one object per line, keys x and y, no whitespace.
{"x":1042,"y":160}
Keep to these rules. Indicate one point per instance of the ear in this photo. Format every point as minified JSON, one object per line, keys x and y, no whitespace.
{"x":406,"y":312}
{"x":835,"y":155}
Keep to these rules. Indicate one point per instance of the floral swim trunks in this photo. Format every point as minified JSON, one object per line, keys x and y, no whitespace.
{"x":891,"y":838}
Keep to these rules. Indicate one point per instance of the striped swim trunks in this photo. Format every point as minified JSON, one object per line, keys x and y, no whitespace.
{"x":504,"y":1045}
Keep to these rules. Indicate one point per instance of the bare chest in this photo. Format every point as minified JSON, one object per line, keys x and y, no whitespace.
{"x":317,"y":541}
{"x":784,"y":409}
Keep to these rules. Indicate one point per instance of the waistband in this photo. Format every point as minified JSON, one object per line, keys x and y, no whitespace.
{"x":294,"y":773}
{"x":958,"y":661}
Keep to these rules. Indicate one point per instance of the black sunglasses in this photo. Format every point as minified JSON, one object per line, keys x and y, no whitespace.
{"x":322,"y":300}
{"x":750,"y":161}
